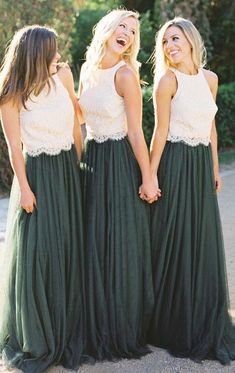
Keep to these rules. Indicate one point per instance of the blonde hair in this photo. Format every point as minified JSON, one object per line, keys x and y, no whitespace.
{"x":102,"y":32}
{"x":25,"y":68}
{"x":161,"y":63}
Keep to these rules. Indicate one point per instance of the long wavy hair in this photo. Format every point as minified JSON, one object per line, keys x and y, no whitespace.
{"x":102,"y":32}
{"x":161,"y":62}
{"x":25,"y":69}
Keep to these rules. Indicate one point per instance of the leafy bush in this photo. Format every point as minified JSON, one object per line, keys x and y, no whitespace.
{"x":5,"y":168}
{"x":226,"y":115}
{"x":82,"y":35}
{"x":148,"y":113}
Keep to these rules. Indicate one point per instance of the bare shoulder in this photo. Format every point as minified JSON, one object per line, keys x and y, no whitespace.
{"x":167,"y":84}
{"x":126,"y":80}
{"x":211,"y":78}
{"x":126,"y":74}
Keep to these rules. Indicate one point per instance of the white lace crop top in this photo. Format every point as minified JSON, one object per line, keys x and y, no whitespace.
{"x":192,"y":110}
{"x":103,"y":108}
{"x":47,"y":124}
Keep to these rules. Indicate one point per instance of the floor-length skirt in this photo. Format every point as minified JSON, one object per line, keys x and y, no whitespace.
{"x":119,"y":287}
{"x":43,"y":317}
{"x":190,"y":316}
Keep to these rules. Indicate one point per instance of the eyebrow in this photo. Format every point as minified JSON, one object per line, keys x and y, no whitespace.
{"x":172,"y":36}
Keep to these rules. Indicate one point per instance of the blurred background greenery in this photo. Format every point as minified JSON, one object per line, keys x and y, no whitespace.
{"x":74,"y":20}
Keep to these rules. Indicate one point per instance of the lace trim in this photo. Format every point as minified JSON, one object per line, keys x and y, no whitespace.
{"x":102,"y":138}
{"x":48,"y":151}
{"x":193,"y":141}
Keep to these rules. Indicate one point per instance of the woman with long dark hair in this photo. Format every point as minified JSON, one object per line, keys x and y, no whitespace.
{"x":42,"y":298}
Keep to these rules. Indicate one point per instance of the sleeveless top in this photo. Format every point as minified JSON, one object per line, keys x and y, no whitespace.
{"x":103,"y":108}
{"x":192,"y":110}
{"x":47,"y":124}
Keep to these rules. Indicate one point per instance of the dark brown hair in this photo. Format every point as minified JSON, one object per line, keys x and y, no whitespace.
{"x":25,"y":69}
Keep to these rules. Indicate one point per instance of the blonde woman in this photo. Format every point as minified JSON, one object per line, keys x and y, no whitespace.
{"x":115,"y":162}
{"x":42,"y":307}
{"x":190,"y":316}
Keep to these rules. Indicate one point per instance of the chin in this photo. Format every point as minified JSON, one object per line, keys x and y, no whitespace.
{"x":117,"y":51}
{"x":175,"y":61}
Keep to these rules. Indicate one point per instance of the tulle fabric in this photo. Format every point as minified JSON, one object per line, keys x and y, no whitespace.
{"x":119,"y":288}
{"x":190,"y":316}
{"x":42,"y":297}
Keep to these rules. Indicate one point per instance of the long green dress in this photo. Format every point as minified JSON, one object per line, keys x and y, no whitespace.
{"x":119,"y":287}
{"x":42,"y":318}
{"x":190,"y":316}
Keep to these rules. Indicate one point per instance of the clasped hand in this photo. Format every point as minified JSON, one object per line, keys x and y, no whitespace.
{"x":149,"y":191}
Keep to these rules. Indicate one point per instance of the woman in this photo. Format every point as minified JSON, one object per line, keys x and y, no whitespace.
{"x":115,"y":162}
{"x":42,"y":315}
{"x":190,"y":316}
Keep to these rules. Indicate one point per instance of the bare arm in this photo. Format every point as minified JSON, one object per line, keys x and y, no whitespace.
{"x":162,"y":102}
{"x":66,"y":77}
{"x":11,"y":128}
{"x":128,"y":87}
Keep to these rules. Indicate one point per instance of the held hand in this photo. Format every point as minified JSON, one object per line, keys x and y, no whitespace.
{"x":28,"y":201}
{"x":150,"y":191}
{"x":155,"y":198}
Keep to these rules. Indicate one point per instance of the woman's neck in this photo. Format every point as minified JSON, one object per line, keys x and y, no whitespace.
{"x":110,"y":60}
{"x":187,"y":68}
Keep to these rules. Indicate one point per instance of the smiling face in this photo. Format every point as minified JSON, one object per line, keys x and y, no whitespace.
{"x":176,"y":46}
{"x":53,"y":65}
{"x":123,"y":37}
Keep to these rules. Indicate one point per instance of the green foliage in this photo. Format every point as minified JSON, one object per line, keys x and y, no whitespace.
{"x":139,"y":5}
{"x":82,"y":35}
{"x":222,"y":24}
{"x":147,"y":31}
{"x":55,"y":13}
{"x":194,"y":10}
{"x":226,"y":115}
{"x":148,"y":113}
{"x":5,"y":168}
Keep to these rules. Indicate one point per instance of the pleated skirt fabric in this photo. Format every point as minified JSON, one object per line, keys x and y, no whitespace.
{"x":190,"y":316}
{"x":119,"y":288}
{"x":43,"y":318}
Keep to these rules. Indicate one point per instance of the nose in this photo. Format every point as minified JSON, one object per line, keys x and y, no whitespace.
{"x":168,"y":43}
{"x":127,"y":31}
{"x":58,"y":56}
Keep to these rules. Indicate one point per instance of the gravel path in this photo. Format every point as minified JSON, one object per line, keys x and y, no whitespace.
{"x":160,"y":361}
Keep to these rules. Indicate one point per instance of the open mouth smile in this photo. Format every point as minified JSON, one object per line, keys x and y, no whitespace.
{"x":121,"y":41}
{"x":172,"y":53}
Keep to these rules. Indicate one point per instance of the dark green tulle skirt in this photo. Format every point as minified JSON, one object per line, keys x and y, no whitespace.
{"x":119,"y":289}
{"x":190,"y":317}
{"x":43,"y":316}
